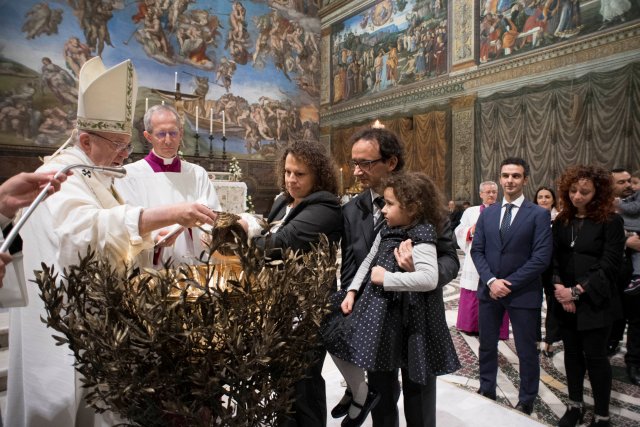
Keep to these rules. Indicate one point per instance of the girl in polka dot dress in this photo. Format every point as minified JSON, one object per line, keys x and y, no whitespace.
{"x":388,"y":325}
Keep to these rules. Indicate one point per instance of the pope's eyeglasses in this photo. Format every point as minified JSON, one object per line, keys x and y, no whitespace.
{"x":120,"y":147}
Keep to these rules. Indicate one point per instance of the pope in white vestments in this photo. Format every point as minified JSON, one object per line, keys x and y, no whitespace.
{"x":43,"y":387}
{"x":161,"y":178}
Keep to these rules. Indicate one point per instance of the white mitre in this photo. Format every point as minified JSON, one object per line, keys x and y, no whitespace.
{"x":106,"y":97}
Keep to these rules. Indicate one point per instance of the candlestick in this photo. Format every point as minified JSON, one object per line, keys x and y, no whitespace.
{"x":341,"y":183}
{"x":211,"y":122}
{"x":146,"y":104}
{"x":197,"y":111}
{"x":224,"y":143}
{"x":224,"y":132}
{"x":210,"y":146}
{"x":197,"y":150}
{"x":175,"y":81}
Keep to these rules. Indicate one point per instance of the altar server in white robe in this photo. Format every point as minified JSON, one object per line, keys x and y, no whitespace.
{"x":161,"y":178}
{"x":468,"y":304}
{"x":43,"y":387}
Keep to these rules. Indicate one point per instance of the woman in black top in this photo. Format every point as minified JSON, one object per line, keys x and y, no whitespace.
{"x":307,"y":208}
{"x":588,"y":240}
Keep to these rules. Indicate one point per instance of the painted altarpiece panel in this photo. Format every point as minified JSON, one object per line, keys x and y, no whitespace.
{"x":512,"y":27}
{"x":389,"y":44}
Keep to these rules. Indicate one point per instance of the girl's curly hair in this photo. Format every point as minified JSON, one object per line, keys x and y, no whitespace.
{"x":315,"y":156}
{"x":600,"y":207}
{"x":417,"y":190}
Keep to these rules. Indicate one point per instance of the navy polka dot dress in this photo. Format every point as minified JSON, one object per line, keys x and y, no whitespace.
{"x":388,"y":330}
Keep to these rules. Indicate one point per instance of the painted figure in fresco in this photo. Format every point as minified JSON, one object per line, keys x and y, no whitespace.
{"x":225,"y":72}
{"x":612,"y":11}
{"x":238,"y":36}
{"x":93,"y":17}
{"x":154,"y":36}
{"x":570,"y":22}
{"x":40,"y":19}
{"x":201,"y":89}
{"x":76,"y":54}
{"x":176,"y":9}
{"x":59,"y":81}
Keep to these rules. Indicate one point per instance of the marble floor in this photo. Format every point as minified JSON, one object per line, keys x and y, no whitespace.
{"x":459,"y":405}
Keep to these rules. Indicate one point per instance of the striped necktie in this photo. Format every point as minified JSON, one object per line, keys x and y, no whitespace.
{"x":506,"y":221}
{"x":379,"y":201}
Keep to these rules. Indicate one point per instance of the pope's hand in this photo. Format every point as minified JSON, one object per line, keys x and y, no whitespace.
{"x":193,"y":214}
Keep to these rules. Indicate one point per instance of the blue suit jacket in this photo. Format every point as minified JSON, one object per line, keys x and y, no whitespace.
{"x":520,"y":258}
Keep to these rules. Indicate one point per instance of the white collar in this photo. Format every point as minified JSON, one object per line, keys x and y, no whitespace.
{"x":517,"y":202}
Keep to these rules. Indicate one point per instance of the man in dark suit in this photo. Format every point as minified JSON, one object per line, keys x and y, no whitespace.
{"x":512,"y":247}
{"x":375,"y":154}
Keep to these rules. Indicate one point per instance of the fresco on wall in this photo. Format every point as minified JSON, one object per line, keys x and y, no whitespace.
{"x":392,"y":43}
{"x":510,"y":27}
{"x":257,"y":61}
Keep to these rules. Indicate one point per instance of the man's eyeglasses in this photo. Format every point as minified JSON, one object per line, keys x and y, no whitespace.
{"x":364,"y":165}
{"x":120,"y":147}
{"x":163,"y":134}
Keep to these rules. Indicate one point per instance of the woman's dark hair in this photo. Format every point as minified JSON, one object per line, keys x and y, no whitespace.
{"x":550,"y":190}
{"x":416,"y":190}
{"x":600,"y":207}
{"x":315,"y":156}
{"x":388,"y":143}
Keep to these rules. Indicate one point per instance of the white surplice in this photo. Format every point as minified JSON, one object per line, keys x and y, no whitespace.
{"x":43,"y":388}
{"x":144,"y":187}
{"x":469,"y":276}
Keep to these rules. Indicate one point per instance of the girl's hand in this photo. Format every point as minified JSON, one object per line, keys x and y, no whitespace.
{"x":347,"y":302}
{"x":377,"y":275}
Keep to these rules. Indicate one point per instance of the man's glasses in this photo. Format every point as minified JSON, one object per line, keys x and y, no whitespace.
{"x":163,"y":134}
{"x":120,"y":147}
{"x":364,"y":165}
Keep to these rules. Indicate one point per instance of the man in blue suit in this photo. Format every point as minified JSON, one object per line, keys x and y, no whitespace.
{"x":512,"y":247}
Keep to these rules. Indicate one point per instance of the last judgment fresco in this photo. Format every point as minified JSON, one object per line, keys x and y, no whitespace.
{"x":392,"y":43}
{"x":249,"y":69}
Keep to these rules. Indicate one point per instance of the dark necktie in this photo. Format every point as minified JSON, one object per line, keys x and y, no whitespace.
{"x":379,"y":201}
{"x":506,"y":221}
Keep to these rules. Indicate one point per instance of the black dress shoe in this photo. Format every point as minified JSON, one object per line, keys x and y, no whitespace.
{"x":572,"y":417}
{"x":633,"y":372}
{"x":372,"y":400}
{"x":525,"y":408}
{"x":342,"y":409}
{"x":487,"y":394}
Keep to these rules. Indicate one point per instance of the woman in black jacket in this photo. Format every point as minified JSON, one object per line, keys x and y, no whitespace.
{"x":588,"y":241}
{"x":307,"y":208}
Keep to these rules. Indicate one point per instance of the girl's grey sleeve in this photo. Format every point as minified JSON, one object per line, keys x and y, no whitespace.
{"x":425,"y":276}
{"x":364,"y":268}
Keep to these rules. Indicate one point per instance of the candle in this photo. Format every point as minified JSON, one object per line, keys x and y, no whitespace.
{"x":146,"y":104}
{"x":211,"y":121}
{"x":341,"y":183}
{"x":175,"y":81}
{"x":163,"y":102}
{"x":224,"y":133}
{"x":197,"y":111}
